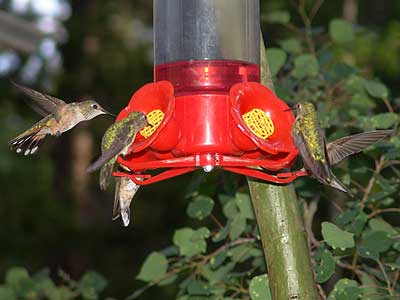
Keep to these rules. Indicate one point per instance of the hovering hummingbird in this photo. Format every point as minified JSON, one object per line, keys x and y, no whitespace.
{"x":116,"y":141}
{"x":318,"y":156}
{"x":125,"y":190}
{"x":58,"y":118}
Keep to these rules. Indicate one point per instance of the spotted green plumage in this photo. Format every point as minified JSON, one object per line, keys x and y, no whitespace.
{"x":318,"y":156}
{"x":116,"y":141}
{"x":308,"y":127}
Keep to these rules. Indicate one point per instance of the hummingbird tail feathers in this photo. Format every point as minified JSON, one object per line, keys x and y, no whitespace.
{"x":28,"y":143}
{"x":125,"y":215}
{"x":116,"y":208}
{"x":335,"y":183}
{"x":105,"y":175}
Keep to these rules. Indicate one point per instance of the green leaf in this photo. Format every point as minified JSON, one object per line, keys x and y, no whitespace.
{"x":218,"y":259}
{"x":378,"y":241}
{"x":219,"y":274}
{"x":65,"y":293}
{"x":369,"y":290}
{"x":358,"y":223}
{"x":245,"y":206}
{"x":347,"y":216}
{"x":305,"y":65}
{"x":222,"y":233}
{"x":230,"y":209}
{"x":154,"y":268}
{"x":240,"y":253}
{"x":345,"y":289}
{"x":259,"y":288}
{"x":91,"y":284}
{"x":384,"y":120}
{"x":378,"y":224}
{"x":7,"y":293}
{"x":380,"y":121}
{"x":276,"y":59}
{"x":199,"y":288}
{"x":169,"y":280}
{"x":200,"y":207}
{"x":361,"y":101}
{"x":94,"y":280}
{"x":341,"y":31}
{"x":291,"y":45}
{"x":278,"y":16}
{"x":238,"y":226}
{"x":24,"y":286}
{"x":336,"y":237}
{"x":326,"y":268}
{"x":376,"y":89}
{"x":191,"y":242}
{"x":15,"y":275}
{"x":368,"y":253}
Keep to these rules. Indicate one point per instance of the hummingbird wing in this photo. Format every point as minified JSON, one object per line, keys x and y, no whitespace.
{"x":42,"y":103}
{"x":122,"y":139}
{"x":348,"y":145}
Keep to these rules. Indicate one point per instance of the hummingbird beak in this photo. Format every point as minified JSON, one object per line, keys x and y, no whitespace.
{"x":108,"y":113}
{"x":290,"y":108}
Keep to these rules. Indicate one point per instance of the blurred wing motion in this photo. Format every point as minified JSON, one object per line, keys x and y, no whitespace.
{"x":42,"y":103}
{"x":125,"y":190}
{"x":348,"y":145}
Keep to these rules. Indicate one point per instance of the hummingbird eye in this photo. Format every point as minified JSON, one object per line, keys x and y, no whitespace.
{"x":95,"y":106}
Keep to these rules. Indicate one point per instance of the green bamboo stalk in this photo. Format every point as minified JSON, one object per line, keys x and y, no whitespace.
{"x":282,"y":230}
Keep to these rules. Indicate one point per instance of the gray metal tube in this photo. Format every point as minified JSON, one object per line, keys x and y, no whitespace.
{"x":206,"y":30}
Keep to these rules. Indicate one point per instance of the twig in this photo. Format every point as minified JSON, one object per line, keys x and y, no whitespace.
{"x":228,"y":245}
{"x":309,"y":212}
{"x":307,"y":23}
{"x":317,"y":5}
{"x":215,"y":220}
{"x":386,"y":278}
{"x":378,"y":168}
{"x":382,"y":211}
{"x":351,"y":268}
{"x":321,"y":292}
{"x":354,"y":263}
{"x":388,"y":105}
{"x":395,"y":277}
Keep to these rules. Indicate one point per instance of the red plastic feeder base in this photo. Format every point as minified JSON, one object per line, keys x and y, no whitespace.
{"x":245,"y":131}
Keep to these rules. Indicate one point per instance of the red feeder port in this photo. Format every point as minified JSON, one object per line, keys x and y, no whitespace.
{"x":206,"y":106}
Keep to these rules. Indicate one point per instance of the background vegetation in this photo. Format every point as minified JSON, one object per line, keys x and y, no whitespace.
{"x":197,"y":240}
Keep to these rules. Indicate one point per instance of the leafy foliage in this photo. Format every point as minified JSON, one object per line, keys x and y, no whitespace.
{"x":20,"y":285}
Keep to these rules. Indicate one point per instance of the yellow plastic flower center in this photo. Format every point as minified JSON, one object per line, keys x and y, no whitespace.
{"x":259,"y":123}
{"x":154,"y":118}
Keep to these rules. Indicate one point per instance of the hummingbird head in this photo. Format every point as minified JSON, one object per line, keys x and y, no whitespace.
{"x":91,"y":109}
{"x":305,"y":109}
{"x":139,"y":119}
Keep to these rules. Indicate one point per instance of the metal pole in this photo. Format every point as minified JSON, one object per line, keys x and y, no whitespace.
{"x":282,"y":231}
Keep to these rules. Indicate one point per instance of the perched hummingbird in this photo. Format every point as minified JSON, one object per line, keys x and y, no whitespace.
{"x":317,"y":155}
{"x":116,"y":141}
{"x":58,"y":118}
{"x":125,"y":190}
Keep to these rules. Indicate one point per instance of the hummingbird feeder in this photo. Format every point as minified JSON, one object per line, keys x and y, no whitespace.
{"x":206,"y":108}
